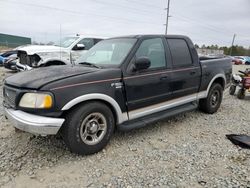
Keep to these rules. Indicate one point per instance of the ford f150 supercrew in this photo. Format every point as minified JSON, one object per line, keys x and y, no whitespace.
{"x":121,"y":83}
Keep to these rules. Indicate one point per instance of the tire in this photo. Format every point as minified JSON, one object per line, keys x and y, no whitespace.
{"x":88,"y":128}
{"x":232,"y":89}
{"x":241,"y":94}
{"x":212,"y":103}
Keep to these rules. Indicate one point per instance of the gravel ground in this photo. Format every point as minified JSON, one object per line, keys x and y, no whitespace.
{"x":189,"y":150}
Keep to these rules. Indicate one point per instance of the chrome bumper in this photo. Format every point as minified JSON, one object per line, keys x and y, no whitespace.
{"x":34,"y":124}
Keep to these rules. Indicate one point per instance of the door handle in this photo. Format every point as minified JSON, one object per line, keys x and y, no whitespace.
{"x":192,"y":72}
{"x":164,"y":78}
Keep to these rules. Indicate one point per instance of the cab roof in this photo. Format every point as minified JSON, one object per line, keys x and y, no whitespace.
{"x":152,"y":35}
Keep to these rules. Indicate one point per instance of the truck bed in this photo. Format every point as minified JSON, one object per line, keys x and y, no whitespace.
{"x":214,"y":66}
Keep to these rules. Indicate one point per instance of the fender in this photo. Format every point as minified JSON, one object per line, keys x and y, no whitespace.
{"x":51,"y":60}
{"x":204,"y":94}
{"x":121,"y":117}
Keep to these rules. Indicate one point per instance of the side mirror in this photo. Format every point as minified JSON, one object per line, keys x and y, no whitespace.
{"x":79,"y":47}
{"x":141,"y":63}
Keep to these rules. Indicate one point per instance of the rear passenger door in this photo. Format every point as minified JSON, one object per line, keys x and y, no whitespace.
{"x":185,"y":75}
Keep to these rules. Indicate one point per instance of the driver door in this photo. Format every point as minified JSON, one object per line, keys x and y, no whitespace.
{"x":150,"y":87}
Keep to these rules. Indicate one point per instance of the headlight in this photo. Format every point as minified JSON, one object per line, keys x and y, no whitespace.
{"x":36,"y":100}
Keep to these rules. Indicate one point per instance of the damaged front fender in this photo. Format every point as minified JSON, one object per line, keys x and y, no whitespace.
{"x":50,"y":57}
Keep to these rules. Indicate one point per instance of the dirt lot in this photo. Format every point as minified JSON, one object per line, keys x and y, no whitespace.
{"x":186,"y":151}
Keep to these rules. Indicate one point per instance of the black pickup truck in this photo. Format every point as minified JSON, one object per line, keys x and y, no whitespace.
{"x":121,"y":83}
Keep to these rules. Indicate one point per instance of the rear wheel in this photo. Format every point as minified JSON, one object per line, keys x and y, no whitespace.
{"x":88,"y":128}
{"x":232,"y":89}
{"x":212,"y":103}
{"x":241,"y":94}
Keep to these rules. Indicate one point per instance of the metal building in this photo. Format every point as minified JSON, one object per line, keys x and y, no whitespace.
{"x":13,"y":40}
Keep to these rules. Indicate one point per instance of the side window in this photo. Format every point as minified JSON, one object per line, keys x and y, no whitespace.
{"x":180,"y":53}
{"x":154,"y":50}
{"x":88,"y":43}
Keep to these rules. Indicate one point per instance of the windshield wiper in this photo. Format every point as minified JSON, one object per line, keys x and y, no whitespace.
{"x":90,"y":64}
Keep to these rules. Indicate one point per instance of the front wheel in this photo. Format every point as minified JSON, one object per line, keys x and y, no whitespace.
{"x":88,"y":128}
{"x":232,"y":89}
{"x":212,"y":103}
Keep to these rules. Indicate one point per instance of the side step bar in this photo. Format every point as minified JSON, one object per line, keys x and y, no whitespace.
{"x":144,"y":121}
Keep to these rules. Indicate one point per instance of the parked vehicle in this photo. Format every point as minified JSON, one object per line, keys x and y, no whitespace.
{"x":65,"y":52}
{"x":11,"y":62}
{"x":2,"y":59}
{"x":242,"y":60}
{"x":236,"y":80}
{"x":237,"y":61}
{"x":247,"y":62}
{"x":121,"y":83}
{"x":242,"y":81}
{"x":10,"y":59}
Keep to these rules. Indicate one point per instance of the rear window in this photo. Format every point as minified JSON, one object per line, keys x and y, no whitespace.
{"x":180,"y":53}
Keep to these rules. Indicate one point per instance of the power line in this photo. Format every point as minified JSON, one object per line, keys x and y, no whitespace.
{"x":213,"y":29}
{"x":178,"y":16}
{"x":200,"y":24}
{"x":209,"y":26}
{"x":122,"y":6}
{"x":80,"y":13}
{"x":145,"y":4}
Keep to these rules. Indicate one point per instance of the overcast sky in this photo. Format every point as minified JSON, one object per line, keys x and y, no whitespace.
{"x":205,"y":22}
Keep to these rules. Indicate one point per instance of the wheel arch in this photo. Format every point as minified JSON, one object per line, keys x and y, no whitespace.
{"x":120,"y":117}
{"x":53,"y":62}
{"x":218,"y":78}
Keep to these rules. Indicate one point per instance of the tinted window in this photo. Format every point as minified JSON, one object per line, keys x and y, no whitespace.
{"x":180,"y":52}
{"x":88,"y":43}
{"x":154,"y":50}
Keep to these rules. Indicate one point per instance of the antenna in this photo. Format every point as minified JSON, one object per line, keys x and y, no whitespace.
{"x":60,"y":41}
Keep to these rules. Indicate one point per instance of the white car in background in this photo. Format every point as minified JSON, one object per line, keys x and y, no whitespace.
{"x":67,"y":51}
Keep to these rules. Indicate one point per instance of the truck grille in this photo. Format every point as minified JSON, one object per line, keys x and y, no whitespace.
{"x":30,"y":60}
{"x":9,"y":96}
{"x":23,"y":58}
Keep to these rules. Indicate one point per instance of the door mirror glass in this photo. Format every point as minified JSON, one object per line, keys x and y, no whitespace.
{"x":79,"y":47}
{"x":141,"y":63}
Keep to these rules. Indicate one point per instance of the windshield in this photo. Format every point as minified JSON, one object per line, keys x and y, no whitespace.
{"x":66,"y":41}
{"x":108,"y":52}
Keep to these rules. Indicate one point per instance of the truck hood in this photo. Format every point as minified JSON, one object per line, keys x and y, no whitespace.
{"x":36,"y":78}
{"x":32,"y":49}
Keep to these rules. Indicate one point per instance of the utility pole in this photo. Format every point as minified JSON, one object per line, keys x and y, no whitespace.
{"x":166,"y":31}
{"x":232,"y":44}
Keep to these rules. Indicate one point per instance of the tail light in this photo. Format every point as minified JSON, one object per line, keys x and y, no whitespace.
{"x":247,"y":81}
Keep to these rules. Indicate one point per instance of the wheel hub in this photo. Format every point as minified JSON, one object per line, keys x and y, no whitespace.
{"x":214,"y":98}
{"x":92,"y":127}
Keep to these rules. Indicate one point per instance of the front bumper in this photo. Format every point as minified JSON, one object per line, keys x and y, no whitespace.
{"x":34,"y":124}
{"x":21,"y":67}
